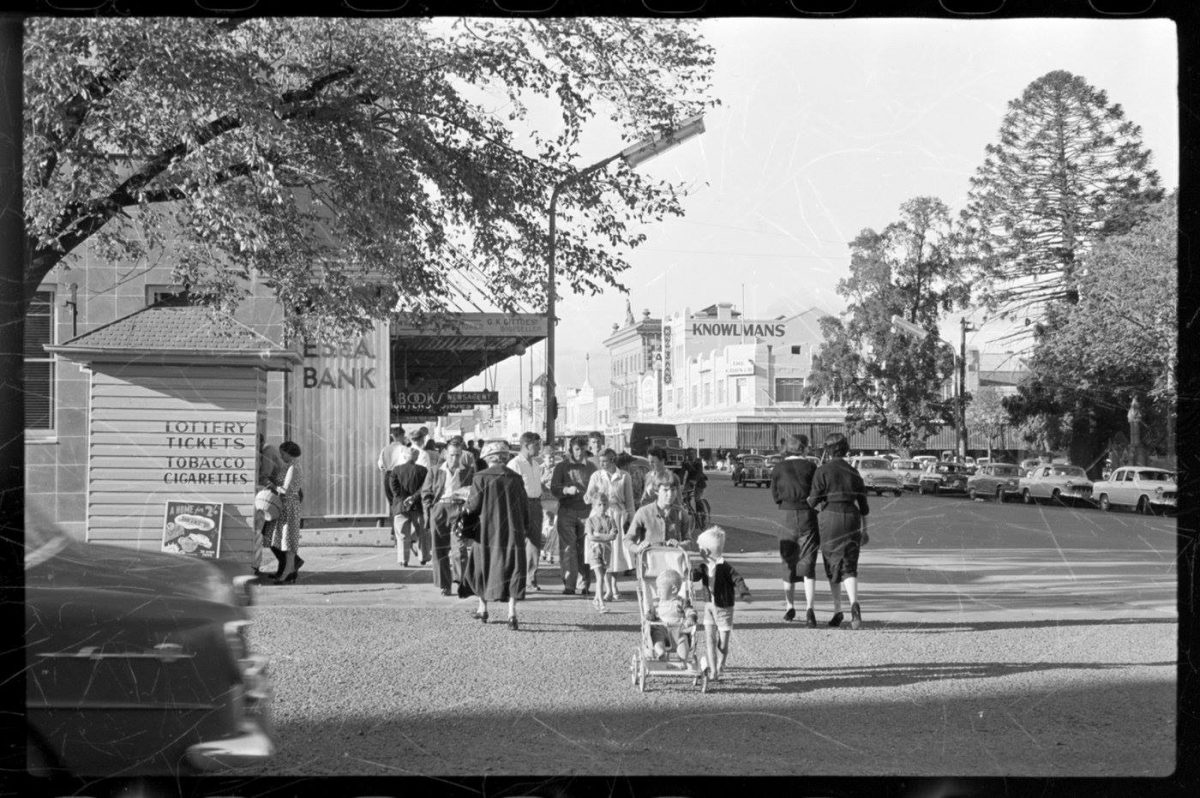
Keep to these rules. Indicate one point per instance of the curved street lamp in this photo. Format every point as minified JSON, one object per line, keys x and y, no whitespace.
{"x":634,"y":155}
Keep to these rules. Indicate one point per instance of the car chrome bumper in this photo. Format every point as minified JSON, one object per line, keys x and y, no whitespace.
{"x":253,"y":745}
{"x":255,"y":741}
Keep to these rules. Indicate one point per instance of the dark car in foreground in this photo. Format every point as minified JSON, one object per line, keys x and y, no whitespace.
{"x":137,"y":663}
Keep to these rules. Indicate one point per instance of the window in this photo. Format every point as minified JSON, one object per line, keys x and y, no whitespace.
{"x":39,"y":364}
{"x":789,"y":389}
{"x":708,"y":394}
{"x":165,"y":293}
{"x":742,"y":390}
{"x":695,"y":396}
{"x":721,"y":392}
{"x":796,"y":350}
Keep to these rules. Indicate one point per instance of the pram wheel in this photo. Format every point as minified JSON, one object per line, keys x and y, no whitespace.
{"x":634,"y":662}
{"x":704,"y":682}
{"x":641,"y":677}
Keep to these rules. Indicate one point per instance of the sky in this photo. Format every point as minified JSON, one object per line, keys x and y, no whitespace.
{"x":825,"y":127}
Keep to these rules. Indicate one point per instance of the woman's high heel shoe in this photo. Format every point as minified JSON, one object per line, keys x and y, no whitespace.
{"x":289,"y":579}
{"x":512,"y":623}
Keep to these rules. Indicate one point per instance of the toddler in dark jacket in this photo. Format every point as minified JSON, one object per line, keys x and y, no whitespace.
{"x":720,"y":582}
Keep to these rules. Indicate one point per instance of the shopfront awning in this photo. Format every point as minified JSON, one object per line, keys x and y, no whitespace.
{"x":461,"y":346}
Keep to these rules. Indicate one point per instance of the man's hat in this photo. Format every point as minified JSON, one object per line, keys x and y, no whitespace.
{"x":396,"y":427}
{"x":420,"y":433}
{"x":494,"y":447}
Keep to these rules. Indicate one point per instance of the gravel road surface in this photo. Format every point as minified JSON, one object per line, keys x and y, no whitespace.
{"x":998,"y":641}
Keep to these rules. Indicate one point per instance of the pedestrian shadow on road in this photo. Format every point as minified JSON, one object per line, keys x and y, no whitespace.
{"x":953,"y":626}
{"x":385,"y":576}
{"x":804,"y":680}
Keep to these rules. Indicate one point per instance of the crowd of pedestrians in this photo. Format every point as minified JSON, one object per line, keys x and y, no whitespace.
{"x":485,"y":517}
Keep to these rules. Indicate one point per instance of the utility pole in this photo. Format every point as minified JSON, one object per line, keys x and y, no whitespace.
{"x":962,"y":388}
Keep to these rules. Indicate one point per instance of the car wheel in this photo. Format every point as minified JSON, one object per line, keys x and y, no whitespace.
{"x":1143,"y":506}
{"x":1027,"y":496}
{"x":898,"y":493}
{"x":1056,"y":496}
{"x":971,"y":494}
{"x":999,"y":495}
{"x":1104,"y":504}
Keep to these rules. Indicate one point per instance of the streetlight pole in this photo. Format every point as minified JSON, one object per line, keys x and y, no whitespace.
{"x":962,"y":389}
{"x":634,"y":155}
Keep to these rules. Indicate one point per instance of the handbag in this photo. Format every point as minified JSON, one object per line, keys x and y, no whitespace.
{"x":469,"y":529}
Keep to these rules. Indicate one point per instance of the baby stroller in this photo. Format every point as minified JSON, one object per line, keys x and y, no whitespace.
{"x":649,"y":564}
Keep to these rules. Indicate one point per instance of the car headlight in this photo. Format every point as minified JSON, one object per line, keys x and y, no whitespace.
{"x":1158,"y":492}
{"x":217,"y":587}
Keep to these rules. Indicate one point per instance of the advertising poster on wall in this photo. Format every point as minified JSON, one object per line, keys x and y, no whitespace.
{"x":193,"y":528}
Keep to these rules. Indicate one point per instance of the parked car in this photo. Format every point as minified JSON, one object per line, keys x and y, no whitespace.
{"x":1146,"y":490}
{"x":943,"y":477}
{"x":908,"y":472}
{"x":925,"y":460}
{"x":751,"y":469}
{"x":1030,"y":463}
{"x":995,"y":480}
{"x":137,"y":663}
{"x":877,"y":474}
{"x":1057,"y":482}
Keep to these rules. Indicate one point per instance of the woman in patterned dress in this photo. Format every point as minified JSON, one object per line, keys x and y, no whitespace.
{"x":616,"y":486}
{"x":287,"y":531}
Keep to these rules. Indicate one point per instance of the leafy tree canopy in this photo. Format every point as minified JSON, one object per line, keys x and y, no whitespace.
{"x":1118,"y":341}
{"x":1068,"y":169}
{"x":890,"y":381}
{"x":324,"y":155}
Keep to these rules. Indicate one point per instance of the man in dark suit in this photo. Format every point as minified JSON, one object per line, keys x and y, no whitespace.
{"x":799,"y":539}
{"x":408,"y":517}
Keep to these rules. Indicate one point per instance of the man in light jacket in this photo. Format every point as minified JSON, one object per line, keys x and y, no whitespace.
{"x":526,"y":464}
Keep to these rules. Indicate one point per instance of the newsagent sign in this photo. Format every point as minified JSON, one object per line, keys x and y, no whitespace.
{"x":441,"y":402}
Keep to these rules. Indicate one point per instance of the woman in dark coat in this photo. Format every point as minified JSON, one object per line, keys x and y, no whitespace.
{"x":496,"y":516}
{"x":838,"y":492}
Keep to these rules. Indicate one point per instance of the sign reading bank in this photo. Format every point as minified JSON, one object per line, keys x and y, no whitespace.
{"x":736,"y":329}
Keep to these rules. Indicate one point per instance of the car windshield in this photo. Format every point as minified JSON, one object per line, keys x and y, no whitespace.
{"x":1067,"y":471}
{"x":1156,"y":476}
{"x":904,"y":465}
{"x":872,"y":463}
{"x":1006,"y":470}
{"x":947,"y":468}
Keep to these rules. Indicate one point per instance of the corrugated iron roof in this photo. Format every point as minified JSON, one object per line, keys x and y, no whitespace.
{"x":173,"y":328}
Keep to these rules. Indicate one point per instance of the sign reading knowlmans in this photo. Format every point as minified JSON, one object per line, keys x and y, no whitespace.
{"x":739,"y":328}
